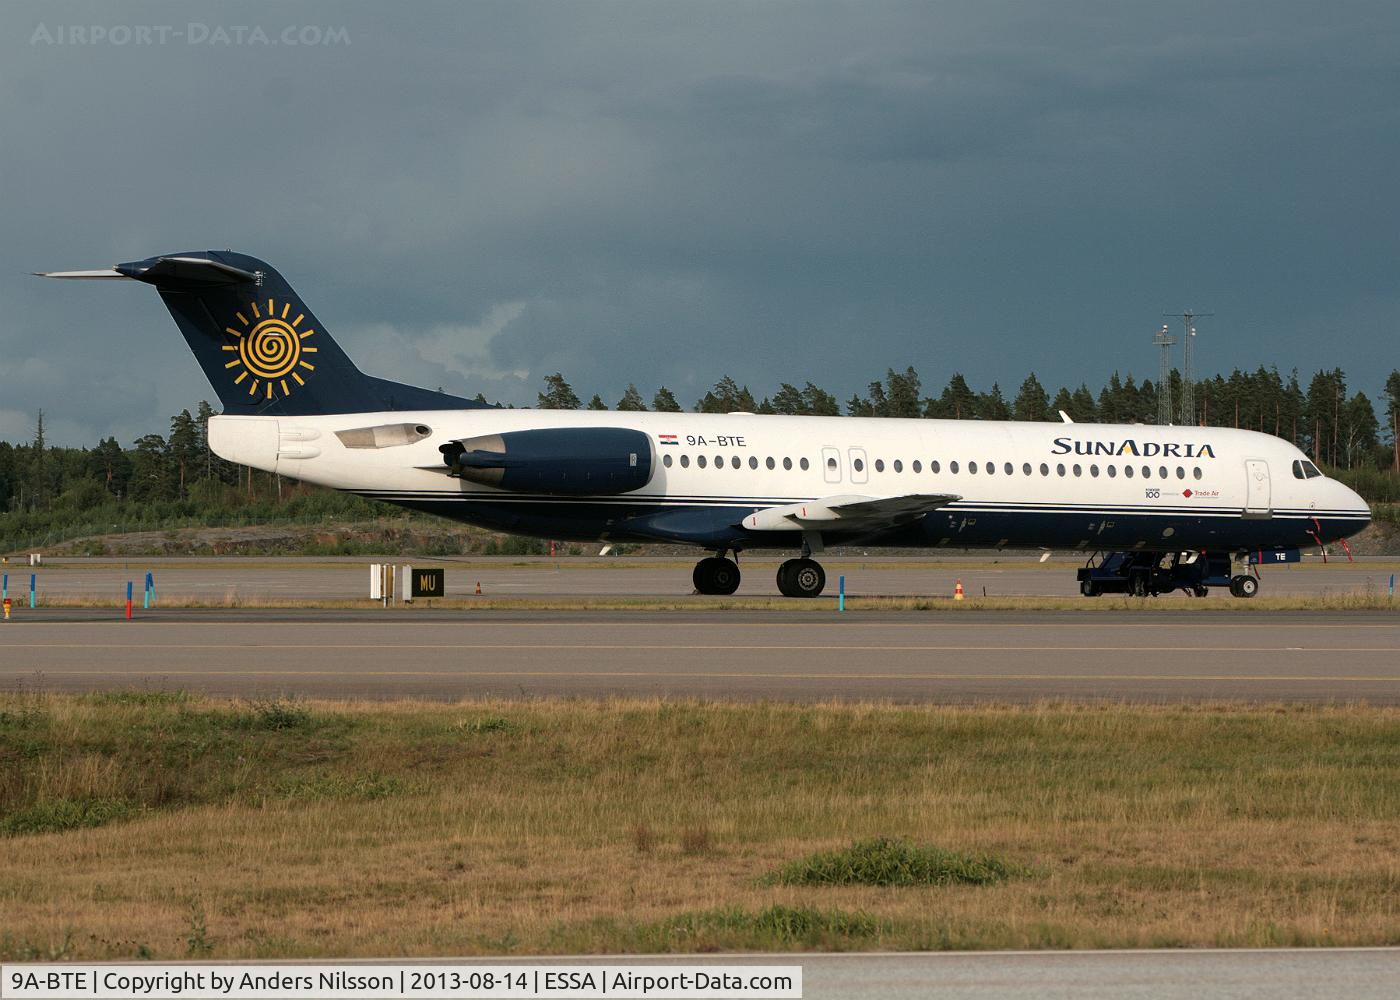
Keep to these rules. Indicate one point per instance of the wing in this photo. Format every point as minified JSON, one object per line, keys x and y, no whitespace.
{"x":848,"y":512}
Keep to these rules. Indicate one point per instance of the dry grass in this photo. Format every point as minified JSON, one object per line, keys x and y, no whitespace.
{"x":317,"y":829}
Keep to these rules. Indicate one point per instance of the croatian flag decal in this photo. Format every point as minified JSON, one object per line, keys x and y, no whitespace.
{"x":667,"y":439}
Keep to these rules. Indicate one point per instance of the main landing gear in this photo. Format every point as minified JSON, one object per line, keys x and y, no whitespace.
{"x":716,"y":575}
{"x":801,"y":578}
{"x":804,"y":577}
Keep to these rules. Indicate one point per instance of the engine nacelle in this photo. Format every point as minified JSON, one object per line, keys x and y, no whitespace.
{"x":576,"y":461}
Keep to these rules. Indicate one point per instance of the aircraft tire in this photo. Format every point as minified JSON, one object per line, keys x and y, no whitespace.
{"x":801,"y":578}
{"x":716,"y":576}
{"x":1244,"y":586}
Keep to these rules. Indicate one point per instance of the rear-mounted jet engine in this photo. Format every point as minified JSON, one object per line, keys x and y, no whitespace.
{"x":576,"y":461}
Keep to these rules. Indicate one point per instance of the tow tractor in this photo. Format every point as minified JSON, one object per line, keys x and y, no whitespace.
{"x":1151,"y":573}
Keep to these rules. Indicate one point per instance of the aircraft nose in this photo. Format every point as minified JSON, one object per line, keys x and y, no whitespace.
{"x":1358,"y":503}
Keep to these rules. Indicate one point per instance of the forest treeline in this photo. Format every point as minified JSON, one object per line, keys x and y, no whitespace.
{"x":173,"y":479}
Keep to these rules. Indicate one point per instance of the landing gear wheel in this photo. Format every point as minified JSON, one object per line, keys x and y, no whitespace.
{"x":801,"y":578}
{"x":1088,"y":588}
{"x":1244,"y":586}
{"x":1200,"y":590}
{"x":716,"y":576}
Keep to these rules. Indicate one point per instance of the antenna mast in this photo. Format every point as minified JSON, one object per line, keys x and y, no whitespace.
{"x":1162,"y":338}
{"x":1188,"y":376}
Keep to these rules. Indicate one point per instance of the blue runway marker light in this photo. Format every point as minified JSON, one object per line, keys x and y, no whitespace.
{"x":1392,"y":584}
{"x":31,"y":590}
{"x":6,"y":591}
{"x":841,"y":595}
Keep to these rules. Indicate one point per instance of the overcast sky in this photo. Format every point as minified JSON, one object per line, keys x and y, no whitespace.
{"x":473,"y":196}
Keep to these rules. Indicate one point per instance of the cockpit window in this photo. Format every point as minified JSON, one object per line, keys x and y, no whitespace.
{"x":1303,"y":469}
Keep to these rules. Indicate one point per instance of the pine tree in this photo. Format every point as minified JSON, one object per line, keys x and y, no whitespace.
{"x":665,"y":401}
{"x":1392,"y":417}
{"x":1032,"y":402}
{"x":727,"y":397}
{"x":631,"y":400}
{"x":596,"y":403}
{"x":992,"y":405}
{"x":958,"y":401}
{"x":558,"y":394}
{"x":819,"y":402}
{"x":183,"y":449}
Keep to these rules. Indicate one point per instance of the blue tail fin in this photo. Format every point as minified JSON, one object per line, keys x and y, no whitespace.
{"x":262,"y":348}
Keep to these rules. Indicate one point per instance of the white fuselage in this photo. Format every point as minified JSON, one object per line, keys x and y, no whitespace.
{"x":1054,"y":485}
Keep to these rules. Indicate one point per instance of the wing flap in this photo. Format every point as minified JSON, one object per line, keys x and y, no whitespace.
{"x":847,"y":512}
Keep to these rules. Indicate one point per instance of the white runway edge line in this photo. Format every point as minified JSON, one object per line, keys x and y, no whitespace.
{"x":421,"y":982}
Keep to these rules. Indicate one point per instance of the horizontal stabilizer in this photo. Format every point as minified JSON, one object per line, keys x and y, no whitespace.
{"x":167,"y":272}
{"x":103,"y":274}
{"x":847,"y":512}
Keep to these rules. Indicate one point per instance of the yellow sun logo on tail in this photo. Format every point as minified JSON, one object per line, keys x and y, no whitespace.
{"x":270,"y":349}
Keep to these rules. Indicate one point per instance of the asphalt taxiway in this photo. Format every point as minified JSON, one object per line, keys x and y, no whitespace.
{"x":231,"y":579}
{"x":791,"y":656}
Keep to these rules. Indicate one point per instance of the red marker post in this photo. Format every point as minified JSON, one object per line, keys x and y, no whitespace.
{"x":128,"y":600}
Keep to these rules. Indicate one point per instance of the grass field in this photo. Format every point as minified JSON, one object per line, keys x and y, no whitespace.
{"x":170,"y":826}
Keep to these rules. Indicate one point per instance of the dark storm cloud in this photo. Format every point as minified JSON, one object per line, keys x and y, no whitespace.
{"x":474,"y":196}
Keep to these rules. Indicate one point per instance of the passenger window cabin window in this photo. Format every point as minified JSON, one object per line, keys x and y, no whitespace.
{"x":719,"y":461}
{"x":1060,"y":470}
{"x":1196,"y":472}
{"x":700,"y":461}
{"x":898,"y":465}
{"x":918,"y":466}
{"x":857,"y":464}
{"x":787,"y":463}
{"x":1094,"y":471}
{"x":753,"y":462}
{"x":1044,"y":469}
{"x":879,"y":465}
{"x":831,"y":463}
{"x":685,"y":461}
{"x":805,"y":464}
{"x":1180,"y":472}
{"x":972,"y":468}
{"x":934,"y":467}
{"x":1128,"y":471}
{"x":991,"y":468}
{"x":1147,"y":472}
{"x":1009,"y":469}
{"x":1026,"y":469}
{"x":1162,"y":472}
{"x":1078,"y":470}
{"x":953,"y":468}
{"x":769,"y":462}
{"x":666,"y":460}
{"x":735,"y":461}
{"x":1113,"y":472}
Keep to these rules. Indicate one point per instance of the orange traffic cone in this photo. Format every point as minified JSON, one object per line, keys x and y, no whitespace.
{"x":478,"y":588}
{"x":958,"y":591}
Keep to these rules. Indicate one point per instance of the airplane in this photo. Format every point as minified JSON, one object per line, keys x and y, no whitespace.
{"x":1151,"y":508}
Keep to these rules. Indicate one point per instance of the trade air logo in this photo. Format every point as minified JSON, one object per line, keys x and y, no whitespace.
{"x":1131,"y":446}
{"x":270,"y":350}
